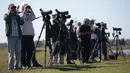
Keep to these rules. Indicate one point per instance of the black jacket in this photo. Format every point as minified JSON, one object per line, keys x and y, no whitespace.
{"x":8,"y":23}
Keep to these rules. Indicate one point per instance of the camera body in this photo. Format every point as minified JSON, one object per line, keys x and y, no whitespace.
{"x":46,"y":14}
{"x":28,"y":11}
{"x":70,"y":23}
{"x":64,"y":15}
{"x":102,"y":25}
{"x":60,"y":17}
{"x":107,"y":34}
{"x":117,"y":29}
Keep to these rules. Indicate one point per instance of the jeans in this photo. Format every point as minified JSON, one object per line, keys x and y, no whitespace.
{"x":14,"y":51}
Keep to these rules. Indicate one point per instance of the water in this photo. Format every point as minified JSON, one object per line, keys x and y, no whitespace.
{"x":127,"y":52}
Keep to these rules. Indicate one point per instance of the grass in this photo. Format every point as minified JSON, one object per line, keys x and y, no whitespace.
{"x":126,"y":47}
{"x":112,"y":66}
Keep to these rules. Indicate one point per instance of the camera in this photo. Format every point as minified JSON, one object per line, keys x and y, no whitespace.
{"x":64,"y":17}
{"x":70,"y":23}
{"x":28,"y":11}
{"x":102,"y":25}
{"x":64,"y":14}
{"x":45,"y":12}
{"x":28,"y":8}
{"x":116,"y":29}
{"x":107,"y":34}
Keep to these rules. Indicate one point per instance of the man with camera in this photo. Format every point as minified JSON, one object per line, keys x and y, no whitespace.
{"x":13,"y":33}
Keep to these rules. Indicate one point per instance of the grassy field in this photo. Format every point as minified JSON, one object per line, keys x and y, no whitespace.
{"x":112,"y":66}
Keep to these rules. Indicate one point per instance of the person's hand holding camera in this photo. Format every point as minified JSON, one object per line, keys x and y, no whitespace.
{"x":27,"y":9}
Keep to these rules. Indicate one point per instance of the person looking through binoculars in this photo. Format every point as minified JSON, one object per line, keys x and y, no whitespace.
{"x":28,"y":46}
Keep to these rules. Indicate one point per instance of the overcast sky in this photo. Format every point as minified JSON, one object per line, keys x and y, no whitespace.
{"x":116,"y":13}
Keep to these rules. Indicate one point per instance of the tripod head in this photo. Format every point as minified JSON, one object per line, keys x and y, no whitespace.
{"x":116,"y":32}
{"x":46,"y":14}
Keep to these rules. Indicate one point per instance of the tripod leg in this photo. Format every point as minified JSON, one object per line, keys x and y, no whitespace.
{"x":47,"y":39}
{"x":37,"y":42}
{"x":90,"y":58}
{"x":51,"y":56}
{"x":121,"y":49}
{"x":40,"y":35}
{"x":79,"y":52}
{"x":113,"y":40}
{"x":100,"y":47}
{"x":109,"y":46}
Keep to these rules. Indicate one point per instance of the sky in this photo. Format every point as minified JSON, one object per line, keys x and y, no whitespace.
{"x":116,"y":13}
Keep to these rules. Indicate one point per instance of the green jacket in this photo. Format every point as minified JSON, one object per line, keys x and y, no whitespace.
{"x":8,"y":24}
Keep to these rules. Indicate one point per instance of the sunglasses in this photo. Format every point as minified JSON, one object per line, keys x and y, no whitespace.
{"x":13,"y":7}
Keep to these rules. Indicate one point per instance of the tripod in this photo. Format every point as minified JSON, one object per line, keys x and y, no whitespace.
{"x":118,"y":44}
{"x":99,"y":43}
{"x":47,"y":23}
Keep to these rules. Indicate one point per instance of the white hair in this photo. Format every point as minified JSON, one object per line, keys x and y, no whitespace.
{"x":21,"y":6}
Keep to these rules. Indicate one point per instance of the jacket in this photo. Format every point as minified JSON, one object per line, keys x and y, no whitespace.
{"x":8,"y":23}
{"x":27,"y":28}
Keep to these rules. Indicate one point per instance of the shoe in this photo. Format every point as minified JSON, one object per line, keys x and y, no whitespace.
{"x":24,"y":67}
{"x":18,"y":68}
{"x":90,"y":62}
{"x":84,"y":61}
{"x":29,"y":67}
{"x":37,"y":65}
{"x":10,"y":69}
{"x":70,"y":63}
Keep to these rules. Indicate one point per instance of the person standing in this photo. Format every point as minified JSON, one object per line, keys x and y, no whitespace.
{"x":77,"y":32}
{"x":14,"y":34}
{"x":93,"y":38}
{"x":28,"y":16}
{"x":85,"y":36}
{"x":20,"y":9}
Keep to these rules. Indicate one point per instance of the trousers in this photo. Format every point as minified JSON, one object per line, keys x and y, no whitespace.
{"x":14,"y":51}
